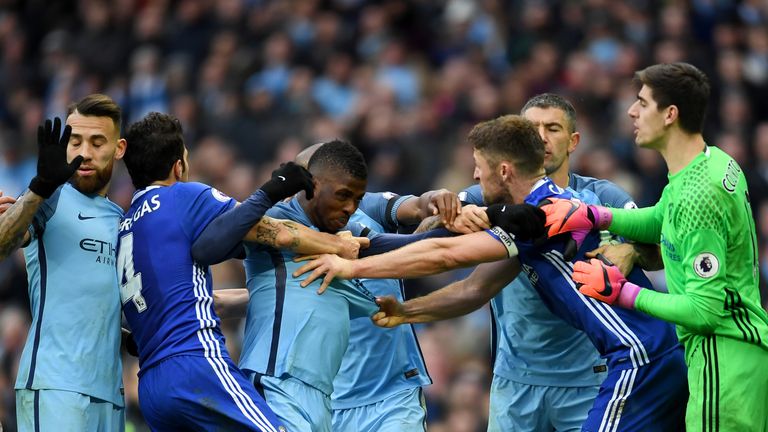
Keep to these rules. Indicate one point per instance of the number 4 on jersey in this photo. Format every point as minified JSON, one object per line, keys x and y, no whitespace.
{"x":131,"y":288}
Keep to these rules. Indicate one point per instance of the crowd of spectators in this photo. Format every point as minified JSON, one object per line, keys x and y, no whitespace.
{"x":255,"y":81}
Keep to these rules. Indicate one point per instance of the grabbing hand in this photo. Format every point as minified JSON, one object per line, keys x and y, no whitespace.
{"x":446,"y":204}
{"x":6,"y":202}
{"x":332,"y":266}
{"x":287,"y":180}
{"x":575,"y":218}
{"x":351,"y":245}
{"x":52,"y":167}
{"x":602,"y":280}
{"x":390,"y":312}
{"x":472,"y":219}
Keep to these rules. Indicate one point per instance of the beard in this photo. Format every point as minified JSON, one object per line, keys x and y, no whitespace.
{"x":94,"y":183}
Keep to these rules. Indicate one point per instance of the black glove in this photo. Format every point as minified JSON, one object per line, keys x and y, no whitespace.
{"x":52,"y":167}
{"x":287,"y":180}
{"x":129,"y":343}
{"x":524,"y":221}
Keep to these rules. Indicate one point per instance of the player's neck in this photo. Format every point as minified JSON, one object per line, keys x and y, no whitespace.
{"x":561,"y":176}
{"x":680,"y":149}
{"x":167,"y":182}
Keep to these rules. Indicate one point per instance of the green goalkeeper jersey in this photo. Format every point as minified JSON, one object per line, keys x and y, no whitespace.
{"x":707,"y":234}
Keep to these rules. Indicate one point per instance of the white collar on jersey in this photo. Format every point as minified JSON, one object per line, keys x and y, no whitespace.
{"x":139,"y":193}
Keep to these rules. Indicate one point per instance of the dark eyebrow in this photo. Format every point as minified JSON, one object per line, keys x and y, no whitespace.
{"x":552,"y":124}
{"x":93,"y":137}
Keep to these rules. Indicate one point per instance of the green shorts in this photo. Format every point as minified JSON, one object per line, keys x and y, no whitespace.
{"x":728,"y":382}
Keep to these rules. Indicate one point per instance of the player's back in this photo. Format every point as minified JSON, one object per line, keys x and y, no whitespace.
{"x":531,"y":344}
{"x":166,"y":295}
{"x":292,"y":330}
{"x":74,"y":339}
{"x":378,"y":362}
{"x":708,"y":203}
{"x":625,"y":338}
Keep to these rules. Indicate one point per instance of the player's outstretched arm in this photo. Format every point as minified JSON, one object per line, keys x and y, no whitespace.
{"x":440,"y":202}
{"x":422,"y":258}
{"x":230,"y":303}
{"x":53,"y":170}
{"x":286,"y":234}
{"x":222,"y":238}
{"x":456,"y":299}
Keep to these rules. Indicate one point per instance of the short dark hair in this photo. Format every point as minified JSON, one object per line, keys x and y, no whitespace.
{"x":682,"y":85}
{"x":98,"y":105}
{"x":551,"y":100}
{"x":509,"y":137}
{"x":155,"y":143}
{"x":340,"y":156}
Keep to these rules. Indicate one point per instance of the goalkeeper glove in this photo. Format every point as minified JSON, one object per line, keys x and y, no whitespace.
{"x":576,"y":218}
{"x":602,"y":280}
{"x":52,"y":167}
{"x":287,"y":180}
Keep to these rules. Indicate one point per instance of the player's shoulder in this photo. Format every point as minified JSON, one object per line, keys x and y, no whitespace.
{"x":608,"y":192}
{"x":725,"y":174}
{"x":472,"y":195}
{"x":194,"y":189}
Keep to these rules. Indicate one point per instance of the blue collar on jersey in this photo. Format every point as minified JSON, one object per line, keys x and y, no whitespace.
{"x":139,"y":193}
{"x":546,"y":188}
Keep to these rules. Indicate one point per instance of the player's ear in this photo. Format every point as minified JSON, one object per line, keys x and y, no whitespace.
{"x":178,"y":170}
{"x":574,"y":142}
{"x":122,"y":145}
{"x":672,"y":114}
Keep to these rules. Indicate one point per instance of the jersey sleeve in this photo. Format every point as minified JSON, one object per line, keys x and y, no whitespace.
{"x":382,"y":207}
{"x":702,"y":229}
{"x":44,"y":213}
{"x":613,"y":196}
{"x":642,"y":225}
{"x":198,"y":205}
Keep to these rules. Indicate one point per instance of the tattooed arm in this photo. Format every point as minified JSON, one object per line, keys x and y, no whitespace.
{"x":15,"y":221}
{"x":285,"y":234}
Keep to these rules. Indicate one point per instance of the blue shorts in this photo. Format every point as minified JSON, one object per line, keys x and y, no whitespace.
{"x":647,"y":398}
{"x":202,"y":393}
{"x":404,"y":411}
{"x":299,"y":406}
{"x":61,"y":410}
{"x":536,"y":408}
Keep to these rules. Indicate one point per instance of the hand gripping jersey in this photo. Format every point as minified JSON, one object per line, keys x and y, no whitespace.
{"x":290,"y":330}
{"x":378,"y":362}
{"x":624,"y":338}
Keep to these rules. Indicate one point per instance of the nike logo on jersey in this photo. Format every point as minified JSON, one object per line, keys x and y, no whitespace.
{"x":81,"y":217}
{"x":281,"y":177}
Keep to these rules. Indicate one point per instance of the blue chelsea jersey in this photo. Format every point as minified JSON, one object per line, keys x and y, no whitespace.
{"x":293,"y":331}
{"x":378,"y":362}
{"x":625,"y":338}
{"x":74,"y":340}
{"x":167,"y":297}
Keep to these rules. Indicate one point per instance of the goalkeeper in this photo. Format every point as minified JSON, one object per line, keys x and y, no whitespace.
{"x":707,"y":235}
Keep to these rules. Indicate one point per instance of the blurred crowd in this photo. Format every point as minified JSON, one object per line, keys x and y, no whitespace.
{"x":255,"y":81}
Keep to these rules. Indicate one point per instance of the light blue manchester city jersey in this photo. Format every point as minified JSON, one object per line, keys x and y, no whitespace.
{"x":293,"y":331}
{"x":378,"y":362}
{"x":74,"y":340}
